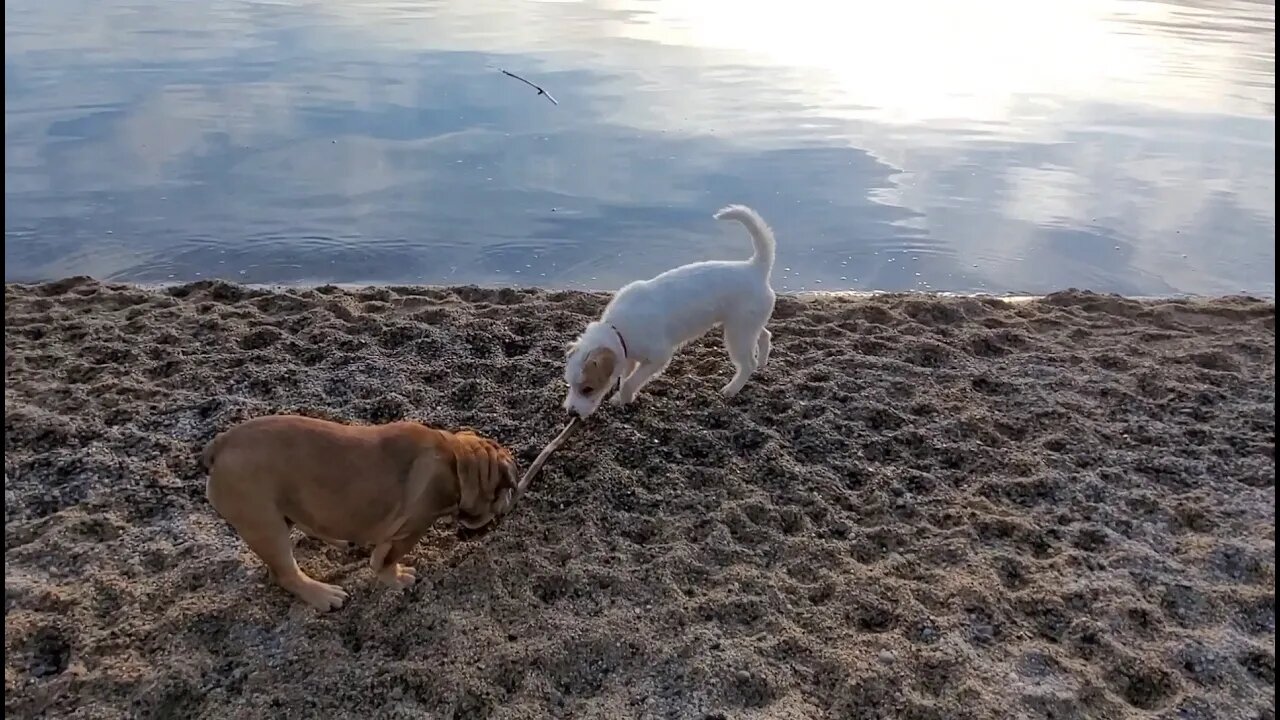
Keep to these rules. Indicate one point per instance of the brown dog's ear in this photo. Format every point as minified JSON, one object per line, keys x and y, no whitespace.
{"x":507,"y":481}
{"x":468,"y":470}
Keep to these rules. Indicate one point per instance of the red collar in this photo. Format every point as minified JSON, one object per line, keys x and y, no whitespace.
{"x":621,"y":340}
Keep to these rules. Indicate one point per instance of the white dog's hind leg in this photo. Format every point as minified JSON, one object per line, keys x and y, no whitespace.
{"x":764,"y":343}
{"x":638,"y":379}
{"x":741,"y":342}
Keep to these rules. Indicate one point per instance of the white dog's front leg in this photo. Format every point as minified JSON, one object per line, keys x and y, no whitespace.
{"x":628,"y":370}
{"x":621,"y":397}
{"x":636,"y":380}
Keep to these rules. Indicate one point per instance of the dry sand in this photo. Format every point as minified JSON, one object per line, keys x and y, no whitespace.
{"x":923,"y":508}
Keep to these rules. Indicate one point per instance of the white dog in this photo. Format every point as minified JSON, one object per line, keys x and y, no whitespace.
{"x":648,"y":320}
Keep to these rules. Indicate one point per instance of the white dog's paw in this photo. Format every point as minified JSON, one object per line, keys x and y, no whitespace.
{"x":729,"y":390}
{"x":619,"y":399}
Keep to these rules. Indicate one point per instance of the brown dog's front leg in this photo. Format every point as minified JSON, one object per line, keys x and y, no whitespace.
{"x":385,"y":561}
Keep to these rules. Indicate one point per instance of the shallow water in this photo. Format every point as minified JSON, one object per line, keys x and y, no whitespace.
{"x":995,"y":146}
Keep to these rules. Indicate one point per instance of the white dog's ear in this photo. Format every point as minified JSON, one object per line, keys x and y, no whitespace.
{"x":599,"y":366}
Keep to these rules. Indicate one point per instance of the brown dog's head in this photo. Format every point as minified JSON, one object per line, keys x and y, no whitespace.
{"x":486,"y":475}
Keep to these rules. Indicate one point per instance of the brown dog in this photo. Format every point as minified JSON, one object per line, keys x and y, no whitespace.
{"x":380,"y":485}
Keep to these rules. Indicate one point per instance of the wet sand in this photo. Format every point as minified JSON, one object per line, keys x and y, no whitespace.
{"x":922,"y":508}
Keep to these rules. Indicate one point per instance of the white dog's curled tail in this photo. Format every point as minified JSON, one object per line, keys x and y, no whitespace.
{"x":761,"y":234}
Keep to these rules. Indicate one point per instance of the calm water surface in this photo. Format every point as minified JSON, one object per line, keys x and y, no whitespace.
{"x":995,"y":145}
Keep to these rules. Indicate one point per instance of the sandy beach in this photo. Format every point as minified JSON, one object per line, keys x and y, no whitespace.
{"x":924,"y":507}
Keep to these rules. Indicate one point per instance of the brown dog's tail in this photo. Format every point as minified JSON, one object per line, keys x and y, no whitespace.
{"x":211,"y":451}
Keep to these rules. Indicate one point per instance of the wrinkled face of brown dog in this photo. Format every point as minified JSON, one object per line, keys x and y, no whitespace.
{"x":486,"y":477}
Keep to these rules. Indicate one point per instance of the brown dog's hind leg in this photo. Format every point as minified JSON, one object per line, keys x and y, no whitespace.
{"x":270,"y":541}
{"x":385,"y":562}
{"x":267,"y":535}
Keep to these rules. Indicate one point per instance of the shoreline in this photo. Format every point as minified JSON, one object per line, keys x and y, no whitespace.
{"x":1010,"y":297}
{"x":926,"y":506}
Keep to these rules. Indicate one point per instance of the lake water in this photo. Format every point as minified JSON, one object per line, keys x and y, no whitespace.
{"x":990,"y":146}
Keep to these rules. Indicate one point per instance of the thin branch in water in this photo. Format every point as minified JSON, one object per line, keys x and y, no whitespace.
{"x":535,"y":87}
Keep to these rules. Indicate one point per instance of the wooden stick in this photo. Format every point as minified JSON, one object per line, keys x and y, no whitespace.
{"x":538,"y":462}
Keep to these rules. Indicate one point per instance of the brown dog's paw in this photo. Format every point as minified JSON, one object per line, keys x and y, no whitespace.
{"x":322,"y":596}
{"x":399,"y":576}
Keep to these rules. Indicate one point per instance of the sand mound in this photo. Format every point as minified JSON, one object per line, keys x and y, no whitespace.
{"x":923,"y":508}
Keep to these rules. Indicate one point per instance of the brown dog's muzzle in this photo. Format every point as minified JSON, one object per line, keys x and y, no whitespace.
{"x":472,"y":521}
{"x":471,"y":525}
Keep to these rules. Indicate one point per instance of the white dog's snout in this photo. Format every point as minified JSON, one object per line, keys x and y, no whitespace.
{"x":582,"y":407}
